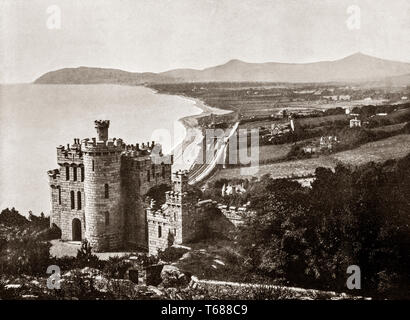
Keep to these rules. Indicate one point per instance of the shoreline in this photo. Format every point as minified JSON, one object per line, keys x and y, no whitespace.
{"x":192,"y":127}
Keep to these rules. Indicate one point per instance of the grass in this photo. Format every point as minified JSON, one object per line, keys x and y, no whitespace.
{"x":320,"y":121}
{"x":272,"y":153}
{"x":390,"y":128}
{"x":378,"y":151}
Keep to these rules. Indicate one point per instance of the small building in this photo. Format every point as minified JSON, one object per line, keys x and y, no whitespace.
{"x":344,"y":97}
{"x":355,"y":123}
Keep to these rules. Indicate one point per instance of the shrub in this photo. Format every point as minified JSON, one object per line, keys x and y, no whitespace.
{"x":116,"y":267}
{"x":85,"y":257}
{"x":11,"y":217}
{"x":171,"y":254}
{"x":25,"y":256}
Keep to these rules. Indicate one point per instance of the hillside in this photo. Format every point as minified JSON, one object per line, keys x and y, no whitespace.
{"x":86,"y":75}
{"x":356,"y":67}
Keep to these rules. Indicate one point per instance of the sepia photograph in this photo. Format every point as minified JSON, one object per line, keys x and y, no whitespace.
{"x":228,"y":151}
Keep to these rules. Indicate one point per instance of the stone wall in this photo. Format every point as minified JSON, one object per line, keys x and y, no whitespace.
{"x":129,"y":171}
{"x":104,"y":215}
{"x":68,"y":178}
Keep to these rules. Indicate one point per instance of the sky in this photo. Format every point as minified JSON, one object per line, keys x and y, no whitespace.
{"x":159,"y":35}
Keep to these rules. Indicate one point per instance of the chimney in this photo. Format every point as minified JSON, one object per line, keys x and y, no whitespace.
{"x":137,"y":147}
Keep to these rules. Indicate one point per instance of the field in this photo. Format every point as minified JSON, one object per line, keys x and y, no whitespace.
{"x":378,"y":151}
{"x":321,"y":121}
{"x":272,"y":153}
{"x":265,"y":99}
{"x":390,"y":128}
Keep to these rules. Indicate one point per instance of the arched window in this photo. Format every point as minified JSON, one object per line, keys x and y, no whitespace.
{"x":82,"y":173}
{"x":159,"y":231}
{"x":72,"y":199}
{"x":107,"y":218}
{"x":59,"y":194}
{"x":106,"y":191}
{"x":75,"y":173}
{"x":78,"y":200}
{"x":67,"y":173}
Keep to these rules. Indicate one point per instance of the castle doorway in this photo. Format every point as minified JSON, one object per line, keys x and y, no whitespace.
{"x":76,"y":227}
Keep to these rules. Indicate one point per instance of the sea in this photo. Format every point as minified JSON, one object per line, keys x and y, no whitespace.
{"x":35,"y":119}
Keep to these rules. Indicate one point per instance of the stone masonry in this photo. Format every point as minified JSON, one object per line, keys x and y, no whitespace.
{"x":98,"y":190}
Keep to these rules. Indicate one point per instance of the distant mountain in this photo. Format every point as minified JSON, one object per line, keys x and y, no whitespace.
{"x":86,"y":75}
{"x":401,"y":80}
{"x":356,"y":67}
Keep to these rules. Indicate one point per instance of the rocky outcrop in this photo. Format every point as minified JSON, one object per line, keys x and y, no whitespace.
{"x":172,"y":276}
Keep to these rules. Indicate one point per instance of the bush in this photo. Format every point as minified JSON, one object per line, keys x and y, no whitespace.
{"x":25,"y":256}
{"x":171,"y":254}
{"x":116,"y":267}
{"x":11,"y":217}
{"x":85,"y":257}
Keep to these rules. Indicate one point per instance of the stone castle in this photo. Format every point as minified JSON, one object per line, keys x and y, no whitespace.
{"x":97,"y":191}
{"x":98,"y":194}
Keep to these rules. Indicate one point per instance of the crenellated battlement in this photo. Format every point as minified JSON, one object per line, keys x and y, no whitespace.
{"x":180,"y":175}
{"x":91,"y":146}
{"x":53,"y":175}
{"x":160,"y":215}
{"x":71,"y":153}
{"x":98,"y":189}
{"x":102,"y":129}
{"x":234,"y":214}
{"x":142,"y":150}
{"x":174,"y":197}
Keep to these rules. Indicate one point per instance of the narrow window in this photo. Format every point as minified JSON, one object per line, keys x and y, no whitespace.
{"x":148,"y":176}
{"x":82,"y":173}
{"x":75,"y":173}
{"x":107,"y":218}
{"x":78,"y":200}
{"x":106,"y":191}
{"x":163,"y":171}
{"x":159,"y":232}
{"x":72,"y":200}
{"x":93,"y":165}
{"x":175,"y":233}
{"x":67,"y":173}
{"x":59,"y":194}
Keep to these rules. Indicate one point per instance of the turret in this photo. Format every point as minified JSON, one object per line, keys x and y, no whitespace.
{"x":103,"y":211}
{"x":180,"y":181}
{"x":102,"y":129}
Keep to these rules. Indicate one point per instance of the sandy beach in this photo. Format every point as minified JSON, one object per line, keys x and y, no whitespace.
{"x":186,"y":152}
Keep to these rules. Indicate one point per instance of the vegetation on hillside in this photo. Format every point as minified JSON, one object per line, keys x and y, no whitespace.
{"x":308,"y":237}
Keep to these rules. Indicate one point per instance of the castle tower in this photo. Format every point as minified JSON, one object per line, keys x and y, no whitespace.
{"x":104,"y":219}
{"x":179,"y":212}
{"x":102,"y":129}
{"x":180,"y":181}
